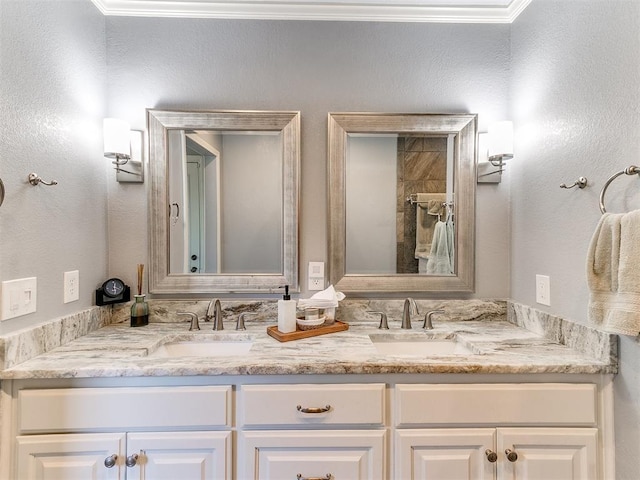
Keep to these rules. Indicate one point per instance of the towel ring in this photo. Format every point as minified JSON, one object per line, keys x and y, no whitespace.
{"x":631,"y":170}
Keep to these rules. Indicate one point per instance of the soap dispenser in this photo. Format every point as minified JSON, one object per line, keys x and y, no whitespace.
{"x":286,"y":313}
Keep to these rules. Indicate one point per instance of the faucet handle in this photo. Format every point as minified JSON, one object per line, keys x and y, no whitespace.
{"x":428,"y":325}
{"x":383,"y":320}
{"x":194,"y":320}
{"x":240,"y":322}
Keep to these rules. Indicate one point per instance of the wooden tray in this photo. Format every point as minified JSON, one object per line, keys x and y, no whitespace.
{"x":298,"y":334}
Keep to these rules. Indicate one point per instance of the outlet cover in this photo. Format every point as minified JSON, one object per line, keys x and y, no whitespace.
{"x":19,"y":297}
{"x":71,"y":286}
{"x":316,"y":276}
{"x":543,"y":290}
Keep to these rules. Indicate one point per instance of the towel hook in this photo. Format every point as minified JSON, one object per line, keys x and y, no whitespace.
{"x":34,"y":180}
{"x":630,"y":170}
{"x":580,"y":183}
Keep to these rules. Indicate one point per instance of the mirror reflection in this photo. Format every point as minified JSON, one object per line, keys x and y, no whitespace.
{"x":399,"y":204}
{"x":223,"y":201}
{"x":225,"y":192}
{"x":402,"y":202}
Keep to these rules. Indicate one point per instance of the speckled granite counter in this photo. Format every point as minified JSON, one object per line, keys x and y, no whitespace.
{"x":499,"y":344}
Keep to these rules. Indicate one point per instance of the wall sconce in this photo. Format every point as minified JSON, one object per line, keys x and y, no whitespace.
{"x":494,"y":148}
{"x":125,"y":146}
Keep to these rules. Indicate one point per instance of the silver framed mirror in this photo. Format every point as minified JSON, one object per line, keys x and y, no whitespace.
{"x":402,"y":202}
{"x":223,"y":201}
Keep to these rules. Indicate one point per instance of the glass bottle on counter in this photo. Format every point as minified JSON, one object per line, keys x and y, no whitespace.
{"x":139,"y":312}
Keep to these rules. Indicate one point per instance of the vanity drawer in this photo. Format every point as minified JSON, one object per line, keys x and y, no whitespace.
{"x":299,"y":405}
{"x":83,"y":409}
{"x":496,"y":404}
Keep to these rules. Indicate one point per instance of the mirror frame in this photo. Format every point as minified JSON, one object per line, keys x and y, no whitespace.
{"x":158,"y":124}
{"x":465,"y":128}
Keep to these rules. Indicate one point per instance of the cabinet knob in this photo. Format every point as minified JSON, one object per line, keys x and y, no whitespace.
{"x":324,"y":409}
{"x":327,"y":477}
{"x":491,"y":456}
{"x":110,"y":461}
{"x":511,"y":455}
{"x":132,"y":460}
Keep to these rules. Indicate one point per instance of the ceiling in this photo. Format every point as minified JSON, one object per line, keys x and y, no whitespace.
{"x":437,"y":11}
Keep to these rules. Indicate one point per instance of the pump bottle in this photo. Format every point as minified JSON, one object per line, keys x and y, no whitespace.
{"x":286,"y":313}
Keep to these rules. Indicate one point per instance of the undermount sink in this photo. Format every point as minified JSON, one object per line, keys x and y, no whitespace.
{"x":417,"y":345}
{"x":211,"y":346}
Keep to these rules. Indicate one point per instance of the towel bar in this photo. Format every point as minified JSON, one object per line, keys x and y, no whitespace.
{"x":631,"y":170}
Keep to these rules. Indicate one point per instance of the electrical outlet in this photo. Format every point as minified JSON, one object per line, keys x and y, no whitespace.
{"x":543,"y":290}
{"x":71,"y":286}
{"x":316,"y":276}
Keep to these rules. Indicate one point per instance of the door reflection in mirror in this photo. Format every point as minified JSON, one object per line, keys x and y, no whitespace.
{"x":399,"y":204}
{"x":227,"y":188}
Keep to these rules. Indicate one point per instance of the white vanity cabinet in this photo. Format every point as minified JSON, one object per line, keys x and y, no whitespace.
{"x":124,"y":433}
{"x":566,"y":448}
{"x":331,"y":427}
{"x":312,"y":431}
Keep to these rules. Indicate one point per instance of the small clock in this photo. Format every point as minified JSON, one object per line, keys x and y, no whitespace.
{"x":112,"y":291}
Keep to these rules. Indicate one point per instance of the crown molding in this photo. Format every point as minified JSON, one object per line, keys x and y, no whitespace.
{"x":426,"y":11}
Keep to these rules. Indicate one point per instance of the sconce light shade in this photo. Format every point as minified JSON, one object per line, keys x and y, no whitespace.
{"x":117,"y":139}
{"x":500,"y":141}
{"x":494,"y":148}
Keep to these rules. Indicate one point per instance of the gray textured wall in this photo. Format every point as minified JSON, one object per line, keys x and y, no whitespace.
{"x":52,"y":86}
{"x":575,"y":98}
{"x":314,"y":67}
{"x":572,"y":84}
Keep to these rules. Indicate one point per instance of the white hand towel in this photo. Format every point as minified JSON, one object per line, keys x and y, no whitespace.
{"x":613,"y":274}
{"x":440,"y":257}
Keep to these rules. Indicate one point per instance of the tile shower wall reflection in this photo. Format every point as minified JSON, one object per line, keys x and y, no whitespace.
{"x":422,"y":168}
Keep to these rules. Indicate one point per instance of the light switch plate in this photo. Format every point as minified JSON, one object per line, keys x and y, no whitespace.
{"x":19,"y":297}
{"x":316,"y":276}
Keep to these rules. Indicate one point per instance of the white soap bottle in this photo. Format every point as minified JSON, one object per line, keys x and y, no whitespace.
{"x":286,"y":313}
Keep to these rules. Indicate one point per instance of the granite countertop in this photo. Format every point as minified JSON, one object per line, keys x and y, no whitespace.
{"x":498,"y":346}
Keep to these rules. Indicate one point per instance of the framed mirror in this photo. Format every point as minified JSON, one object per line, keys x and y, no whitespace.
{"x":223,"y":201}
{"x":402,"y":202}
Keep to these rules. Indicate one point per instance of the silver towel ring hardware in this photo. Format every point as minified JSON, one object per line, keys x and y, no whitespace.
{"x":1,"y":192}
{"x":630,"y":170}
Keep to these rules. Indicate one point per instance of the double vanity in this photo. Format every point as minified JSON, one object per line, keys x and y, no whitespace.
{"x":492,"y":391}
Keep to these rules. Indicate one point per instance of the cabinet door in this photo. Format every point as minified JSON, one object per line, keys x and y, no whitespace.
{"x":548,"y":453}
{"x":336,"y":454}
{"x":180,"y":455}
{"x":70,"y":456}
{"x":444,"y":454}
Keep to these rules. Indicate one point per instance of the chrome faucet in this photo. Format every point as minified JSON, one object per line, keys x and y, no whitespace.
{"x":214,"y":312}
{"x":410,"y":307}
{"x":427,"y":319}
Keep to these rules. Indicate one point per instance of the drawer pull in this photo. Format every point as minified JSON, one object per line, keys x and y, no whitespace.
{"x":491,"y":456}
{"x":327,"y":477}
{"x":132,"y":460}
{"x":110,"y":461}
{"x":511,"y":455}
{"x":324,"y":409}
